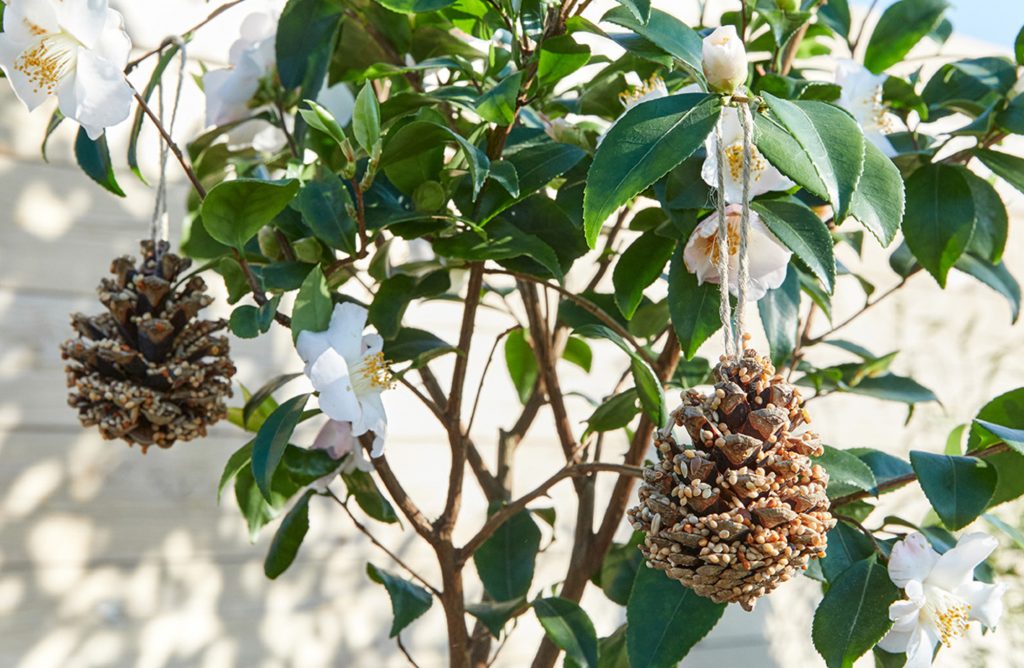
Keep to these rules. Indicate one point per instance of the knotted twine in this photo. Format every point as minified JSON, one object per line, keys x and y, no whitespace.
{"x":733,"y":331}
{"x":159,"y":228}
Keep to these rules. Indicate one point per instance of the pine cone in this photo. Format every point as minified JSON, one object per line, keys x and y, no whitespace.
{"x":149,"y":371}
{"x":743,"y":507}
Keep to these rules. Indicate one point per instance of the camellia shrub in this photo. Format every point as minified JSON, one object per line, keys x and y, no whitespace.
{"x":362,"y":156}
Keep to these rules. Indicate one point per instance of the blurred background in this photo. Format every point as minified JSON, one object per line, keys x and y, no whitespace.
{"x":112,"y":558}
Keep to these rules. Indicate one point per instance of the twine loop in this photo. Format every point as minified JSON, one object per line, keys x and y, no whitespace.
{"x":159,"y":229}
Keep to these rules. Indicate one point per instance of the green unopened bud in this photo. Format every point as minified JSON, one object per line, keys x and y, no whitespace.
{"x":307,"y":250}
{"x":270,"y":246}
{"x":788,"y":5}
{"x":429,"y":196}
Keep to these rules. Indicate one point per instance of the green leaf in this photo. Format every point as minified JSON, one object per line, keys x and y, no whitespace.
{"x":559,"y":57}
{"x":803,"y":232}
{"x":665,"y":620}
{"x":93,"y":157}
{"x":395,"y":294}
{"x":323,"y":204}
{"x":419,"y":136}
{"x":506,"y":561}
{"x":55,"y":120}
{"x":615,"y":413}
{"x":940,"y":218}
{"x":234,"y":211}
{"x":637,"y":268}
{"x":313,"y":305}
{"x":320,"y":119}
{"x":288,"y":538}
{"x":785,"y":154}
{"x":1008,"y":435}
{"x":495,"y":614}
{"x":884,"y":466}
{"x":780,"y":315}
{"x":305,"y":38}
{"x":846,"y":473}
{"x":667,"y":33}
{"x":366,"y":118}
{"x":641,"y":9}
{"x":1006,"y":410}
{"x":569,"y":628}
{"x":408,"y":600}
{"x":536,"y":166}
{"x":643,"y":145}
{"x":272,"y":439}
{"x":959,"y":488}
{"x":578,"y":352}
{"x":694,"y":307}
{"x":836,"y":15}
{"x":255,"y":402}
{"x":879,"y":201}
{"x":846,"y":546}
{"x":992,"y":226}
{"x":1018,"y":47}
{"x":498,"y":105}
{"x":1008,"y":167}
{"x":648,"y":386}
{"x":415,"y":6}
{"x":854,"y":615}
{"x":415,"y":345}
{"x":521,"y":363}
{"x":619,"y":569}
{"x":611,"y":650}
{"x":995,"y":276}
{"x":362,"y":486}
{"x":831,"y":140}
{"x":504,"y":240}
{"x":245,"y":322}
{"x":236,"y":462}
{"x":901,"y":27}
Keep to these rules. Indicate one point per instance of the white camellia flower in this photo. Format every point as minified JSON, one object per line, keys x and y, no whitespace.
{"x":337,"y":440}
{"x":652,"y":89}
{"x":862,"y":97}
{"x":768,"y":257}
{"x":942,"y":596}
{"x":763,"y":176}
{"x":724,"y":60}
{"x":74,"y":49}
{"x":348,"y":369}
{"x":252,"y":57}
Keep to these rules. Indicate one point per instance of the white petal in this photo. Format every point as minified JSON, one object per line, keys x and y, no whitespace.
{"x":339,"y":402}
{"x":228,"y":92}
{"x":336,"y":438}
{"x":905,"y":613}
{"x":920,"y":649}
{"x":270,"y":139}
{"x":328,"y":369}
{"x":986,"y":601}
{"x":372,"y":344}
{"x":769,"y":259}
{"x":956,"y":566}
{"x":24,"y":20}
{"x":98,"y":96}
{"x":896,"y":642}
{"x":311,"y":345}
{"x":25,"y":90}
{"x":84,"y":19}
{"x":912,"y":559}
{"x":338,"y":100}
{"x":114,"y":45}
{"x":373,"y":417}
{"x":346,"y":330}
{"x":696,"y":254}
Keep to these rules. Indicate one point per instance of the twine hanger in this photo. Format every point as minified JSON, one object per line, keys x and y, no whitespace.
{"x":733,"y":325}
{"x":159,"y":230}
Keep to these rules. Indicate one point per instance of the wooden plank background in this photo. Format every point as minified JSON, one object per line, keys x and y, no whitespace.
{"x":108,"y":558}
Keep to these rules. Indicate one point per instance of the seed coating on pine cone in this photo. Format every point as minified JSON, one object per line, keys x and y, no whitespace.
{"x":740,"y":509}
{"x":148,"y":371}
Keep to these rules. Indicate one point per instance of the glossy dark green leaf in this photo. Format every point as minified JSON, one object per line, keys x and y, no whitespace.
{"x":408,"y":600}
{"x":495,"y":614}
{"x":780,"y":315}
{"x":836,"y":15}
{"x":854,"y":615}
{"x":559,"y":57}
{"x":93,"y":157}
{"x":415,"y":345}
{"x":619,"y":568}
{"x":879,"y":201}
{"x":666,"y":32}
{"x":611,"y":650}
{"x":55,"y":120}
{"x":694,"y":307}
{"x":638,"y":267}
{"x":890,"y":387}
{"x":665,"y":620}
{"x":643,"y":145}
{"x":648,"y":386}
{"x":832,"y":142}
{"x":785,"y":154}
{"x":272,"y":439}
{"x":498,"y":105}
{"x":640,"y":9}
{"x":940,"y":218}
{"x":238,"y":460}
{"x":414,"y":6}
{"x":288,"y":539}
{"x":803,"y":232}
{"x":995,"y":276}
{"x":959,"y":488}
{"x":615,"y":413}
{"x":1011,"y":436}
{"x":521,"y":363}
{"x":321,"y":119}
{"x":245,"y":322}
{"x":846,"y":472}
{"x":394,"y":295}
{"x":305,"y":36}
{"x":313,"y":305}
{"x":366,"y":118}
{"x":536,"y":166}
{"x":234,"y":211}
{"x":901,"y":27}
{"x":569,"y":628}
{"x":578,"y":352}
{"x":419,"y":136}
{"x":504,"y":240}
{"x":362,"y":486}
{"x":1008,"y":167}
{"x":323,"y":205}
{"x":884,"y":466}
{"x":992,"y":227}
{"x":1006,"y":410}
{"x":847,"y":545}
{"x":1018,"y":47}
{"x":254,"y":402}
{"x":506,"y":560}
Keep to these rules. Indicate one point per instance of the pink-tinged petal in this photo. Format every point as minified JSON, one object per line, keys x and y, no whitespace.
{"x":986,"y":601}
{"x":84,"y":19}
{"x":346,"y":330}
{"x":697,"y":253}
{"x":338,"y":402}
{"x":335,"y":438}
{"x":30,"y":94}
{"x":328,"y":369}
{"x":24,"y":20}
{"x":912,"y":559}
{"x":311,"y":345}
{"x":98,"y":96}
{"x":114,"y":45}
{"x":956,"y":566}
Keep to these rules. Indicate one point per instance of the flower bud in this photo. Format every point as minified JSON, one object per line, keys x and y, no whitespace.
{"x":788,"y":5}
{"x":724,"y":60}
{"x":429,"y":196}
{"x":269,"y":244}
{"x":308,"y":250}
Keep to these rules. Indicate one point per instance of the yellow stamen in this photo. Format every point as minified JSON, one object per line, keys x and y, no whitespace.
{"x":374,"y":373}
{"x":734,"y":156}
{"x":637,"y":93}
{"x":48,"y":61}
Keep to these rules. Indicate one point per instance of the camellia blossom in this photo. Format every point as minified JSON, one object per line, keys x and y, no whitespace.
{"x":763,"y":176}
{"x":348,"y":369}
{"x":74,"y":49}
{"x":724,"y":60}
{"x":862,"y":97}
{"x":942,"y":596}
{"x":252,"y":57}
{"x":768,"y":257}
{"x":337,"y":440}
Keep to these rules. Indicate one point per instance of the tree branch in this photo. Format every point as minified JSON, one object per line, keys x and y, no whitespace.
{"x":132,"y":64}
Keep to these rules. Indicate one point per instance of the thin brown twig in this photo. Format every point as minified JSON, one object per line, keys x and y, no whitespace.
{"x":862,"y":311}
{"x":185,"y":166}
{"x":483,"y":376}
{"x":401,"y":646}
{"x":132,"y":64}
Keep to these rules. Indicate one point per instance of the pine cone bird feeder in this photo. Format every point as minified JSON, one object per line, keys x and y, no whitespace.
{"x":740,"y":509}
{"x":149,"y":371}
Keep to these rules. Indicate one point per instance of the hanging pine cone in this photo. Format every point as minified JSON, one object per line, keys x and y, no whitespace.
{"x":738,"y":511}
{"x":148,"y":371}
